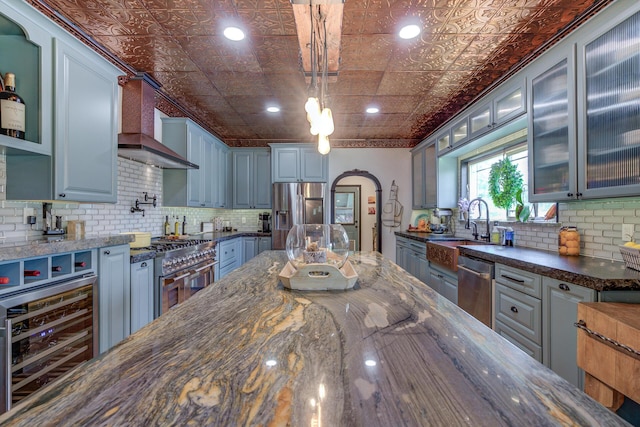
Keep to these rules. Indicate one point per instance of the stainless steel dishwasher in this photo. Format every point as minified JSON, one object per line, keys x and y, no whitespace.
{"x":475,"y":288}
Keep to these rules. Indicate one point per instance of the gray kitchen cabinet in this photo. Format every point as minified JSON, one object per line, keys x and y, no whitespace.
{"x":480,"y":119}
{"x":412,"y":256}
{"x":84,"y":167}
{"x":251,"y":178}
{"x":26,"y":46}
{"x":114,"y":295}
{"x":444,"y":282}
{"x":189,"y":187}
{"x":229,"y":255}
{"x":252,"y":246}
{"x":142,"y":285}
{"x":559,"y":313}
{"x":552,"y":136}
{"x":298,"y":163}
{"x":221,"y":175}
{"x":86,"y":125}
{"x":518,"y":308}
{"x":424,"y":176}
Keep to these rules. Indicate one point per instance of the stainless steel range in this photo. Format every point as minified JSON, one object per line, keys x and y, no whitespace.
{"x":182,"y":268}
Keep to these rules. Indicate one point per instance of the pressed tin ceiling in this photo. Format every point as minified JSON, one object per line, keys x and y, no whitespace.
{"x":465,"y":47}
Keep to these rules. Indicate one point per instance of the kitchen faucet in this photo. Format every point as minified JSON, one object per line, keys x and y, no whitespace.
{"x":485,"y":236}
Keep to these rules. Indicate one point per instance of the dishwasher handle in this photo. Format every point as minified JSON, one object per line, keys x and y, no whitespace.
{"x":484,"y":276}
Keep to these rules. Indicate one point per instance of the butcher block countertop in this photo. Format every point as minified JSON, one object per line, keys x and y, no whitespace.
{"x":245,"y":351}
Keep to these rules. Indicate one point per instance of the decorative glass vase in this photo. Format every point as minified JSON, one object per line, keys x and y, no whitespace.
{"x":317,"y":244}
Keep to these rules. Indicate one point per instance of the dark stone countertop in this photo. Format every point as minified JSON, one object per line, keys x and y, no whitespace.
{"x":593,"y":273}
{"x":245,"y":351}
{"x":49,"y":245}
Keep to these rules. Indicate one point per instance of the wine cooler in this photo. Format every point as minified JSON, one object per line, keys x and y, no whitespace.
{"x":47,"y":332}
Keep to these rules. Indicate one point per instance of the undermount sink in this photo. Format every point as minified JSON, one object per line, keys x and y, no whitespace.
{"x":445,"y":252}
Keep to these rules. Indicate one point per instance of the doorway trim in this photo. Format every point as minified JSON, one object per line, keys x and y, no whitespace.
{"x":364,"y":174}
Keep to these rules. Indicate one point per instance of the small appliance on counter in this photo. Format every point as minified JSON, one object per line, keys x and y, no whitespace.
{"x":265,"y":222}
{"x":49,"y":228}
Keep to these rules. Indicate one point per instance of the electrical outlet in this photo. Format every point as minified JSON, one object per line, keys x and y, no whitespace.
{"x":26,"y":213}
{"x":627,"y":232}
{"x":244,"y":220}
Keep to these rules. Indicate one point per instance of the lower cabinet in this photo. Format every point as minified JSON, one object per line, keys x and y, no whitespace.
{"x":142,"y":283}
{"x":537,"y":314}
{"x":443,"y":281}
{"x":114,"y":295}
{"x":412,"y":256}
{"x":229,"y":255}
{"x":559,"y":313}
{"x":252,"y":246}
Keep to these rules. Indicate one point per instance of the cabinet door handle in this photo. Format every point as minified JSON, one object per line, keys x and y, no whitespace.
{"x":569,"y":194}
{"x":62,"y":195}
{"x":512,"y":279}
{"x":144,"y":264}
{"x":107,"y":252}
{"x":564,"y":287}
{"x":514,"y":308}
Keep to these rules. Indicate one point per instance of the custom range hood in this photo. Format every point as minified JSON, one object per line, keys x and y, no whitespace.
{"x":136,"y":141}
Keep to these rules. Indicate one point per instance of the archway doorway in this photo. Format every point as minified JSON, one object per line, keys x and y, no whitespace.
{"x":377,"y":236}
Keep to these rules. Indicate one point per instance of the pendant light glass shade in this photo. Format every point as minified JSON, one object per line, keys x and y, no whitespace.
{"x":326,"y":122}
{"x":323,"y":144}
{"x":312,"y":107}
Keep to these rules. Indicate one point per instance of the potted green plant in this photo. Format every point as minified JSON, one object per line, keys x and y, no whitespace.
{"x":523,"y":212}
{"x":505,"y":181}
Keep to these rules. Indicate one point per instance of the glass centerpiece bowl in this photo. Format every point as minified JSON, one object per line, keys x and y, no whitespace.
{"x":317,"y":244}
{"x":318,"y":258}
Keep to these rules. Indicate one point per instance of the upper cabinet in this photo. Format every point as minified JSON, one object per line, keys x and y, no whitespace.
{"x":86,"y":165}
{"x":584,"y":131}
{"x":205,"y":187}
{"x":298,"y":163}
{"x":609,"y":126}
{"x":500,"y":107}
{"x":552,"y":128}
{"x":251,"y":178}
{"x":25,"y":43}
{"x":82,"y":126}
{"x":424,"y":176}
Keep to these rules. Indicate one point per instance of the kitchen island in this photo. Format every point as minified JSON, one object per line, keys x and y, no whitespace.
{"x":248,"y":352}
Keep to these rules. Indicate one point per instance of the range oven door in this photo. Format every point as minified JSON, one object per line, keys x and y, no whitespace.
{"x":201,"y":277}
{"x":177,"y":289}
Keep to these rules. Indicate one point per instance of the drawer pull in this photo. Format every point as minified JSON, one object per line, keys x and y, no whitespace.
{"x":564,"y":287}
{"x":514,"y":308}
{"x":512,"y":279}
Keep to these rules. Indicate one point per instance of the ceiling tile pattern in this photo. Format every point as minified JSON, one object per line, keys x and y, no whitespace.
{"x":465,"y":48}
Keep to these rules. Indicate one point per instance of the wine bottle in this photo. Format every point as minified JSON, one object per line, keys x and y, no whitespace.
{"x":12,"y":109}
{"x":4,"y":280}
{"x":184,"y":225}
{"x":80,"y":264}
{"x":31,"y":273}
{"x":56,"y":268}
{"x":167,"y":226}
{"x":176,"y":227}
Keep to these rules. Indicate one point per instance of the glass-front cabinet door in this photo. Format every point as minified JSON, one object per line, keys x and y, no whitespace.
{"x":510,"y":103}
{"x":480,"y":120}
{"x":552,"y":131}
{"x":610,"y":134}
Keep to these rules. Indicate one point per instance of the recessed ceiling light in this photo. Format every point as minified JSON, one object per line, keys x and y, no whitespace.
{"x":409,"y":31}
{"x":373,"y":110}
{"x":273,"y":109}
{"x":234,"y":33}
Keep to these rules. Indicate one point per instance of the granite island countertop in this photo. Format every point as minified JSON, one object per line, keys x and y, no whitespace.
{"x":245,"y":351}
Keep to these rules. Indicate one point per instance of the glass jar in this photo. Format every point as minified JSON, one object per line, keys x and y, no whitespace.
{"x":317,"y":244}
{"x":569,"y":241}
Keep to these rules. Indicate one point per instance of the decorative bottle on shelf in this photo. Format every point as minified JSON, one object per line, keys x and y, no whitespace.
{"x":12,"y":109}
{"x":176,"y":227}
{"x":167,"y":226}
{"x":184,"y":225}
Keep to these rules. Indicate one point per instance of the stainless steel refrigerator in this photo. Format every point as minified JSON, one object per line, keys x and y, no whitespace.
{"x":295,"y":203}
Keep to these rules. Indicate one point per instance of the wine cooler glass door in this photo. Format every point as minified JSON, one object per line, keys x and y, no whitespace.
{"x":47,"y":332}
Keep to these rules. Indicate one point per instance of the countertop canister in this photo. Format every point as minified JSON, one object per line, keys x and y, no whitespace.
{"x":569,"y":241}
